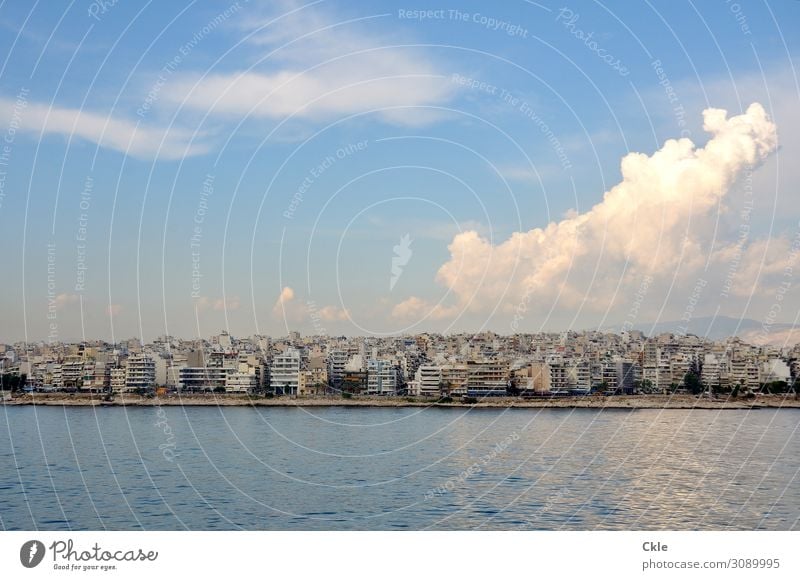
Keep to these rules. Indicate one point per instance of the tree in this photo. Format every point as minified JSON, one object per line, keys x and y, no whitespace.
{"x":12,"y":382}
{"x":775,"y":387}
{"x":692,"y":382}
{"x":602,"y":387}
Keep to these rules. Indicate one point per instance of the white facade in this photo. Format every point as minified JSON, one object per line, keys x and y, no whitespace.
{"x":241,"y":382}
{"x":140,"y":372}
{"x":204,"y":378}
{"x":714,"y":367}
{"x":427,"y":381}
{"x":382,"y":377}
{"x":774,"y":370}
{"x":117,"y":379}
{"x":284,"y":372}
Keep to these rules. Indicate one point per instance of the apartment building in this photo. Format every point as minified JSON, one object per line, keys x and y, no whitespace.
{"x":140,"y":372}
{"x":284,"y":372}
{"x":383,"y":377}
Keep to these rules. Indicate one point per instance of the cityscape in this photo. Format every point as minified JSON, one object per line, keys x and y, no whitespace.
{"x":427,"y":365}
{"x":329,"y":266}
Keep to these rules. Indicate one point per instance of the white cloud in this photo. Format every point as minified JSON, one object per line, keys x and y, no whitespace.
{"x":106,"y":131}
{"x":417,"y":309}
{"x":62,"y":300}
{"x":333,"y":313}
{"x":284,"y":303}
{"x":659,"y":218}
{"x":320,"y":68}
{"x":288,"y":308}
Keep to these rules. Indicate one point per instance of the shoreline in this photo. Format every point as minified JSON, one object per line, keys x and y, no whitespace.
{"x":583,"y":402}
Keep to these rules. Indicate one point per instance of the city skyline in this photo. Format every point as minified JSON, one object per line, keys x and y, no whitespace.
{"x":425,"y":365}
{"x":384,"y":169}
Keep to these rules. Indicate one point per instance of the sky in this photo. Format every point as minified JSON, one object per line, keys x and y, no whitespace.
{"x":395,"y":167}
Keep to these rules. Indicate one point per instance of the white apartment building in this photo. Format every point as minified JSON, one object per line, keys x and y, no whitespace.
{"x":117,"y":379}
{"x":427,"y":381}
{"x":775,"y":370}
{"x":241,"y":382}
{"x":284,"y":372}
{"x":382,"y":377}
{"x":744,"y":373}
{"x":204,"y":378}
{"x":140,"y":372}
{"x":715,"y":368}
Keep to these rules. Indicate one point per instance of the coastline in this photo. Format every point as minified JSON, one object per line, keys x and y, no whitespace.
{"x":584,"y":402}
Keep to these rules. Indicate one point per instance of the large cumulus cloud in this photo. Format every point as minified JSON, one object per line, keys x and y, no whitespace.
{"x":657,"y":219}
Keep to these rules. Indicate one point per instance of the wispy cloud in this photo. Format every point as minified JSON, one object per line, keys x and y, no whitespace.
{"x":313,"y":66}
{"x":129,"y":137}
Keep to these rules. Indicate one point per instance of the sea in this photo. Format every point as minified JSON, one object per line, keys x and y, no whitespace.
{"x":344,"y":468}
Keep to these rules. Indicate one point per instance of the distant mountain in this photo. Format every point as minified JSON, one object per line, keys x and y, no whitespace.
{"x":723,"y":327}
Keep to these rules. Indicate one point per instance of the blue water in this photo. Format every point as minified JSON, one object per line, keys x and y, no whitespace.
{"x":206,"y":468}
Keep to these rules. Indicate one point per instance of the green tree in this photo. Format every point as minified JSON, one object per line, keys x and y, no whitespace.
{"x":775,"y":387}
{"x":692,"y":382}
{"x":12,"y":382}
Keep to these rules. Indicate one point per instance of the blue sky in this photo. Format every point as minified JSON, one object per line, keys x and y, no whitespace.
{"x":401,"y":120}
